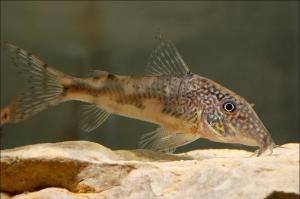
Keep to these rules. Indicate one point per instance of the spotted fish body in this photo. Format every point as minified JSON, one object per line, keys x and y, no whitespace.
{"x":186,"y":106}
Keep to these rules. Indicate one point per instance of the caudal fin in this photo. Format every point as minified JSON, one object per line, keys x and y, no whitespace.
{"x":42,"y":86}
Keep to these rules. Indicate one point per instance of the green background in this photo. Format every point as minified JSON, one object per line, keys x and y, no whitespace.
{"x":249,"y":47}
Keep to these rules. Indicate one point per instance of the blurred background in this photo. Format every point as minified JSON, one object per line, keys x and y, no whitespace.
{"x":251,"y":48}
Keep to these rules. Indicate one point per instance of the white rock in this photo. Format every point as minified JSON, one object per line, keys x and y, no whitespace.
{"x":88,"y":170}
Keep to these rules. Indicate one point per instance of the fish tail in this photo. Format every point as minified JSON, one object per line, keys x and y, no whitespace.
{"x":43,"y":87}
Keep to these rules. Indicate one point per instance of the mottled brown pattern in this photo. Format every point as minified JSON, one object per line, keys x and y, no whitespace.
{"x":133,"y":99}
{"x":178,"y":100}
{"x":179,"y":96}
{"x":79,"y":88}
{"x":113,"y":87}
{"x":192,"y":97}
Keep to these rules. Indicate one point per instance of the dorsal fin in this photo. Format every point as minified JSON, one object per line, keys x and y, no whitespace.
{"x":166,"y":60}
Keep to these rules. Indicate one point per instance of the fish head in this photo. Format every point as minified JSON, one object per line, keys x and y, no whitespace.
{"x":230,"y":118}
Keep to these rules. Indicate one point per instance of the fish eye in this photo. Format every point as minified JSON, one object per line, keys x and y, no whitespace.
{"x":229,"y":106}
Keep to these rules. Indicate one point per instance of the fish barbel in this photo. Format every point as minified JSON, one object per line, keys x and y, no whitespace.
{"x":184,"y":105}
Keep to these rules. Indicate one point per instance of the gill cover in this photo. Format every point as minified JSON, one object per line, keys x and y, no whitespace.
{"x":215,"y":122}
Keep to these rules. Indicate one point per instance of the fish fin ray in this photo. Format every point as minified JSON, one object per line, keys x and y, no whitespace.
{"x":92,"y":117}
{"x":163,"y":141}
{"x":42,"y":88}
{"x":166,"y":60}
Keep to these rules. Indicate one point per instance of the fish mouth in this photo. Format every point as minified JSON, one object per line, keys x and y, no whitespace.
{"x":265,"y":142}
{"x":250,"y":134}
{"x":260,"y":137}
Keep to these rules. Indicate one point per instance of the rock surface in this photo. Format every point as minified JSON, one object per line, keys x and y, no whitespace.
{"x":81,"y":169}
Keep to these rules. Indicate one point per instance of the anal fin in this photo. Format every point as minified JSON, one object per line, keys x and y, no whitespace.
{"x":92,"y":117}
{"x":163,"y":141}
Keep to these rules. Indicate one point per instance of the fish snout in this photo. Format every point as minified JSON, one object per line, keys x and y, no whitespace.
{"x":258,"y":135}
{"x":264,"y":141}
